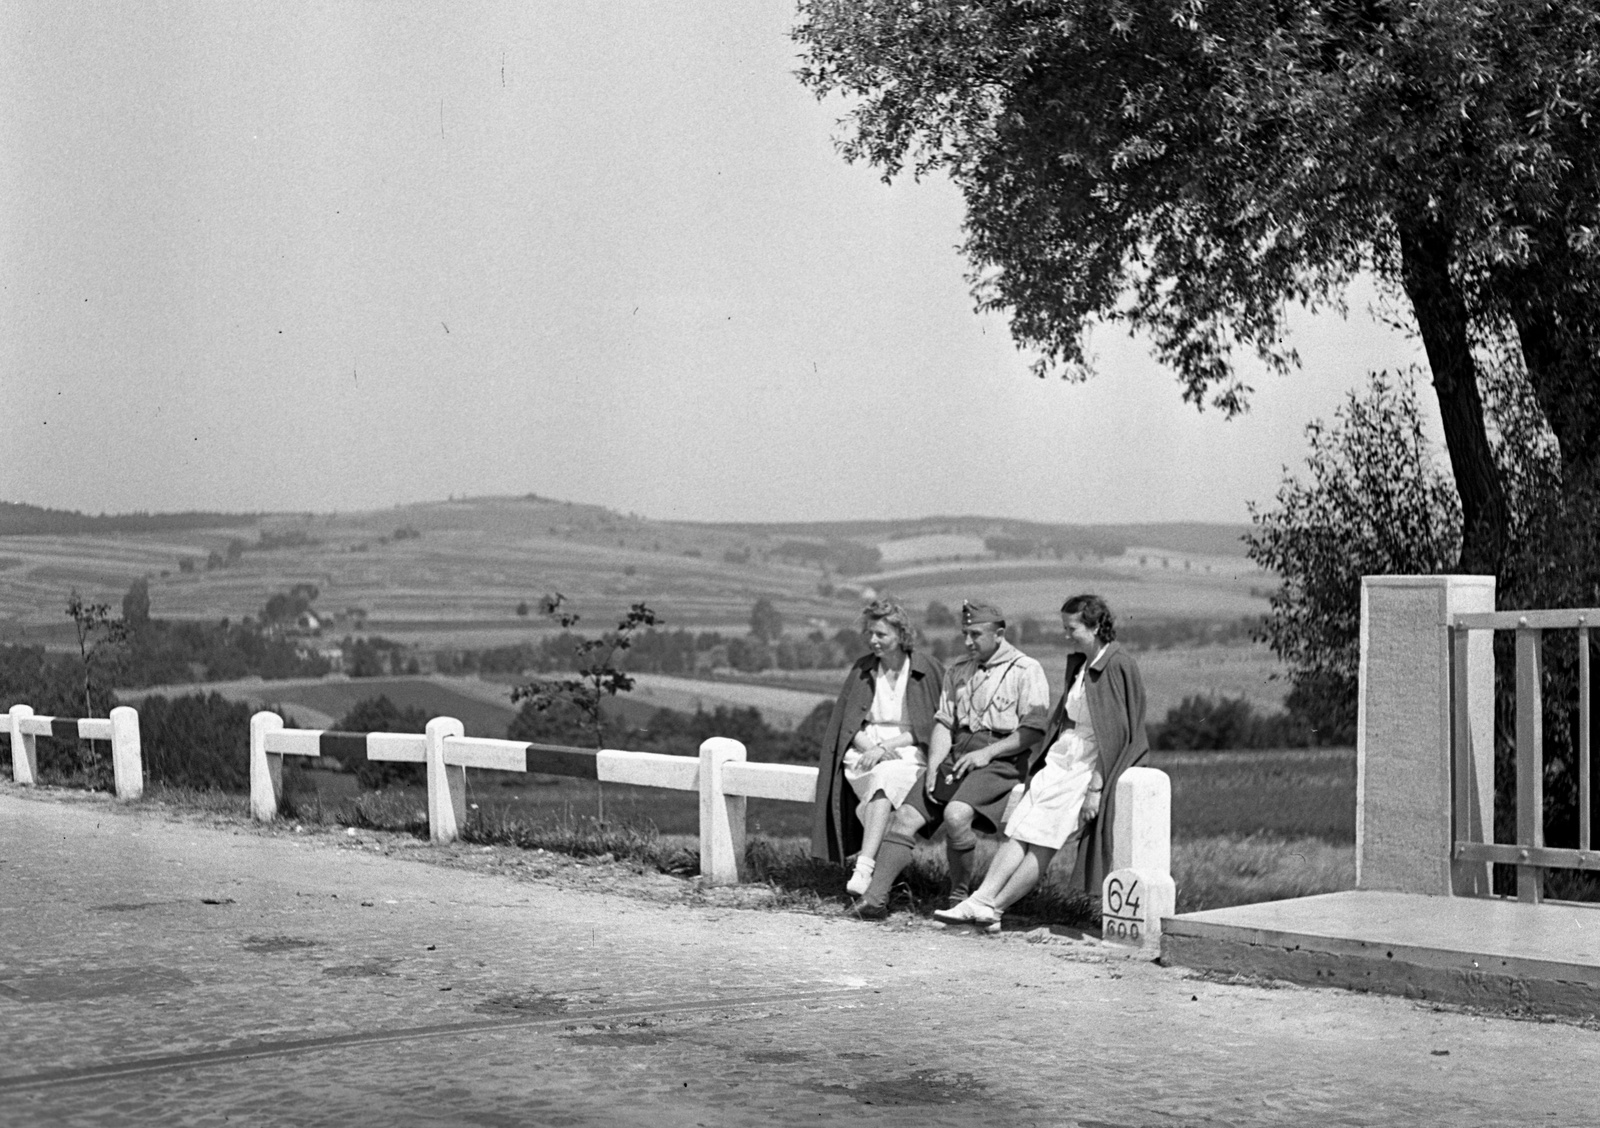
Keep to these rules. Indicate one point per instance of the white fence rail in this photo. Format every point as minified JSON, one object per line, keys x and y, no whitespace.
{"x":720,"y":774}
{"x":121,"y":729}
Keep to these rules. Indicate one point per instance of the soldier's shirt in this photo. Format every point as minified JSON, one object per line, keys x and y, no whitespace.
{"x":1006,"y":693}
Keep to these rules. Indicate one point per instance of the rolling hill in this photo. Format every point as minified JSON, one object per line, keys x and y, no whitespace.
{"x":454,"y":572}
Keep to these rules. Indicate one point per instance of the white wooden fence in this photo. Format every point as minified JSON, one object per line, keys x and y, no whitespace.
{"x":121,"y":729}
{"x":720,"y":774}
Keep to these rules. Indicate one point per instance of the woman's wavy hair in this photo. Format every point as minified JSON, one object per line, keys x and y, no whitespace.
{"x":888,"y":611}
{"x":1093,"y":612}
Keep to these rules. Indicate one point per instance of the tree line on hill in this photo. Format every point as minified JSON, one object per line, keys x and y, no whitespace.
{"x":21,"y":520}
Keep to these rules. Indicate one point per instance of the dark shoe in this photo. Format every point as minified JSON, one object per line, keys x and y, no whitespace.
{"x":864,"y":910}
{"x":957,"y":896}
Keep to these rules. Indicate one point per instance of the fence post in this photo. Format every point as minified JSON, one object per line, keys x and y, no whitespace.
{"x":24,"y":754}
{"x":1405,"y":785}
{"x":721,"y":816}
{"x":266,"y":768}
{"x":1139,"y":890}
{"x":447,"y":784}
{"x":127,"y":760}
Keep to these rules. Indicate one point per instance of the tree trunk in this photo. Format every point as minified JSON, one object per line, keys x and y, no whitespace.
{"x":1560,"y":360}
{"x":1442,"y":317}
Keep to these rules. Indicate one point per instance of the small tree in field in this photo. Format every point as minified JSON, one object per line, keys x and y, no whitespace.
{"x":99,"y":637}
{"x":598,"y":675}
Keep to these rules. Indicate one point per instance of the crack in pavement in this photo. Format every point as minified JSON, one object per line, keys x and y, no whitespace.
{"x":168,"y":1062}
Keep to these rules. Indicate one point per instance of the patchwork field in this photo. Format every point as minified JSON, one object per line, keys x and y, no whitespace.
{"x":452,"y":573}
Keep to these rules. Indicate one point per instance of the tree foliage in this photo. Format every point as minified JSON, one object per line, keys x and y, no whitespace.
{"x":1192,"y":170}
{"x":100,"y":638}
{"x":1373,"y":501}
{"x":196,"y":740}
{"x":599,"y":676}
{"x":766,"y":622}
{"x":381,"y":714}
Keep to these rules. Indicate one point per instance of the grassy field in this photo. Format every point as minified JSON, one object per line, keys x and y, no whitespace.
{"x":484,"y":708}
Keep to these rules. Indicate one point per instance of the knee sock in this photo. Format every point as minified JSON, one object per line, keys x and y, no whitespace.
{"x":893,"y":856}
{"x":960,"y":848}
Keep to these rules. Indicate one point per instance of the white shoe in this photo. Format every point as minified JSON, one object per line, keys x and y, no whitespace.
{"x":861,"y":878}
{"x":970,"y":912}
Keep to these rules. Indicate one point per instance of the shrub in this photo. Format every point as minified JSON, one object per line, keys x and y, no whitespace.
{"x":197,"y":740}
{"x":379,"y":714}
{"x":1206,"y":724}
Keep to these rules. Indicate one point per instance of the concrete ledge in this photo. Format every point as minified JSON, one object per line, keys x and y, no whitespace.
{"x":1470,"y":951}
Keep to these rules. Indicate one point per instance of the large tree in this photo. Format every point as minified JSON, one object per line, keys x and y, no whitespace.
{"x":1192,"y":169}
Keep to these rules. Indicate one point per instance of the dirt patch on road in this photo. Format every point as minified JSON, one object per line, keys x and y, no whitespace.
{"x":923,"y":1087}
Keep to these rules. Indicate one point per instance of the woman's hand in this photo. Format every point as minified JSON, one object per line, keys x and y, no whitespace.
{"x":872,"y":757}
{"x":1091,"y":807}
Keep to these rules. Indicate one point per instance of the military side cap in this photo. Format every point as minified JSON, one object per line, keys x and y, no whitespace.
{"x":977,"y":613}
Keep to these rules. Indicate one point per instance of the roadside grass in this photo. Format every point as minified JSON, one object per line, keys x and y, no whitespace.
{"x":207,"y":800}
{"x":1288,"y":793}
{"x":1233,"y":869}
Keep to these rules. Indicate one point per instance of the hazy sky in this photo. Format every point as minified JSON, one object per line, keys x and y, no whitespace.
{"x":337,"y":256}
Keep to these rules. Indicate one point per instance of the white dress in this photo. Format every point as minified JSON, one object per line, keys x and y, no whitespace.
{"x":898,"y":774}
{"x":1047,"y":814}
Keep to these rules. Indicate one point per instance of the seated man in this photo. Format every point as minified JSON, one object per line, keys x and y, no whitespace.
{"x":992,"y":711}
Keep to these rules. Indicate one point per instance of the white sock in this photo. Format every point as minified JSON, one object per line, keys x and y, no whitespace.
{"x":862,"y":877}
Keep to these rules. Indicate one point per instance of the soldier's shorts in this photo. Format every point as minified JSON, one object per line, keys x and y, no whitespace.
{"x":986,"y":790}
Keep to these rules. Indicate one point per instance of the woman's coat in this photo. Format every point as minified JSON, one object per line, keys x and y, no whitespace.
{"x":835,"y":830}
{"x":1115,"y":693}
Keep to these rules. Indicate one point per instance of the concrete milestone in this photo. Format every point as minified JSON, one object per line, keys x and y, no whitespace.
{"x":156,"y":970}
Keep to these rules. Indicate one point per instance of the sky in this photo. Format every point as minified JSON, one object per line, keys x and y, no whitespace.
{"x":347,"y":256}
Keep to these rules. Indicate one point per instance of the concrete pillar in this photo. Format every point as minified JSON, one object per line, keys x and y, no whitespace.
{"x":721,"y":816}
{"x":1404,"y":824}
{"x":1141,"y":828}
{"x":24,"y":752}
{"x":1139,"y":890}
{"x":447,"y":784}
{"x":127,"y":760}
{"x":266,"y":768}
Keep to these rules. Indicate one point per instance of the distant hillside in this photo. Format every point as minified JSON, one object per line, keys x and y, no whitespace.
{"x":471,"y":571}
{"x":1181,"y":536}
{"x":1099,"y":540}
{"x":21,"y":520}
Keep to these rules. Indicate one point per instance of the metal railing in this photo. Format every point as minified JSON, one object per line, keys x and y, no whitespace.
{"x":1529,"y":854}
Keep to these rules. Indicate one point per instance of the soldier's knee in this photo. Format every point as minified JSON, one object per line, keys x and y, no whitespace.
{"x":958,"y":816}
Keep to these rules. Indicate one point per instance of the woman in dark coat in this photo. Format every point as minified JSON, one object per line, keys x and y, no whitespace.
{"x":1095,"y":733}
{"x":875,"y":747}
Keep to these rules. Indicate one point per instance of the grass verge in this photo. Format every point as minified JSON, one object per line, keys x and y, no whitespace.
{"x":1211,"y":872}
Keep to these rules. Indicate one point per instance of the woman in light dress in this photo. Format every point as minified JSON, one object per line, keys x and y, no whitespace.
{"x":876,"y":742}
{"x":1095,"y":733}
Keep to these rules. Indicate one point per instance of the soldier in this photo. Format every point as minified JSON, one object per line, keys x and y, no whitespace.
{"x":992,"y":711}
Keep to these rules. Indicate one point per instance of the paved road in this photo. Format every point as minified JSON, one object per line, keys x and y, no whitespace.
{"x":161,"y":972}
